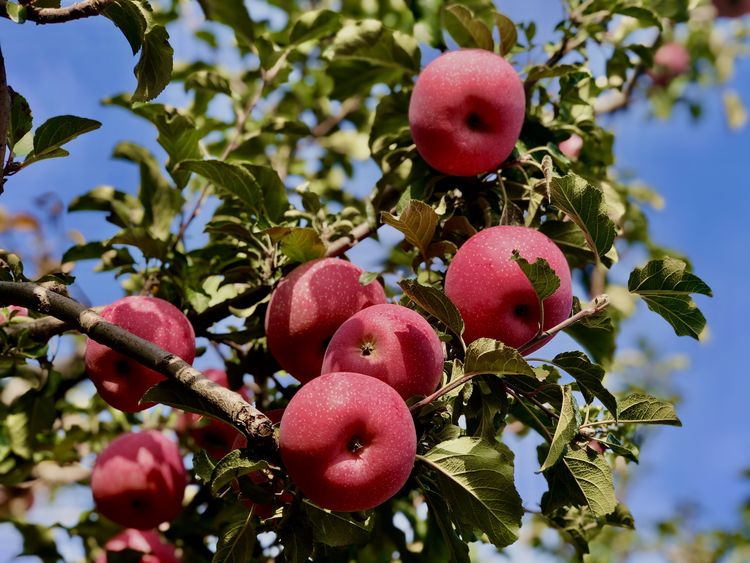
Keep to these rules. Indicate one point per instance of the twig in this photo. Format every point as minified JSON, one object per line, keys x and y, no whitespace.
{"x":4,"y":118}
{"x":77,"y":11}
{"x":358,"y":234}
{"x":246,"y":418}
{"x":445,"y":389}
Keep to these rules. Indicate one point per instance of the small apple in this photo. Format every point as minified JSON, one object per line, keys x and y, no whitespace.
{"x":308,"y":306}
{"x":495,"y":298}
{"x":139,"y":480}
{"x":147,"y":542}
{"x":670,"y":61}
{"x":731,"y":8}
{"x":212,"y":435}
{"x":466,"y":112}
{"x":348,"y":441}
{"x":390,"y":342}
{"x":121,"y":381}
{"x":20,"y":312}
{"x":571,"y":147}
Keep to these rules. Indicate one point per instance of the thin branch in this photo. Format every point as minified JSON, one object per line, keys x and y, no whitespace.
{"x":4,"y":118}
{"x":358,"y":234}
{"x":445,"y":389}
{"x":325,"y":126}
{"x":76,"y":11}
{"x":246,"y":418}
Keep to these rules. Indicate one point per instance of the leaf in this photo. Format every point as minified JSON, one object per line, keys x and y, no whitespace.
{"x":210,"y":80}
{"x":314,"y":25}
{"x":143,"y":241}
{"x":566,"y":430}
{"x":154,"y":68}
{"x":203,"y":466}
{"x":57,"y":131}
{"x":665,"y":285}
{"x":16,"y":12}
{"x":303,"y":244}
{"x":643,"y":15}
{"x":231,"y":179}
{"x":476,"y":481}
{"x":645,"y":409}
{"x":468,"y":31}
{"x":440,"y":514}
{"x":38,"y":542}
{"x":232,"y":13}
{"x":485,"y":355}
{"x":234,"y":464}
{"x":20,"y":117}
{"x":588,"y":376}
{"x":628,"y":452}
{"x":543,"y":278}
{"x":585,"y":206}
{"x":275,"y":200}
{"x":508,"y":33}
{"x":130,"y":18}
{"x":335,"y":528}
{"x":572,"y":240}
{"x":237,"y":542}
{"x":417,"y":223}
{"x":436,"y":303}
{"x":543,"y":71}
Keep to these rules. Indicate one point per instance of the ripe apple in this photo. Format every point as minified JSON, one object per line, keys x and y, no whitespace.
{"x":20,"y":312}
{"x":731,"y":8}
{"x":571,"y":147}
{"x":466,"y":112}
{"x":121,"y":381}
{"x":139,"y":480}
{"x":212,"y":435}
{"x":492,"y":293}
{"x":308,"y":306}
{"x":348,"y":441}
{"x":147,"y":542}
{"x":670,"y":61}
{"x":390,"y":342}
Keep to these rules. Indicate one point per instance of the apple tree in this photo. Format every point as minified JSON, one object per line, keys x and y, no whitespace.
{"x":497,"y":220}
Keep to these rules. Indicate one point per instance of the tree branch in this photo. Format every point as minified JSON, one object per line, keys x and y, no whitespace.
{"x":4,"y":118}
{"x":246,"y":418}
{"x":77,"y":11}
{"x":358,"y":234}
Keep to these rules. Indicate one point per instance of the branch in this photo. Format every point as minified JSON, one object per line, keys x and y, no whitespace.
{"x":4,"y":118}
{"x":358,"y":234}
{"x":246,"y":418}
{"x":597,"y":305}
{"x":80,"y":10}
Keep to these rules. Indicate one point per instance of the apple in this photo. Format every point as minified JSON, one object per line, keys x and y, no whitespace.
{"x":308,"y":306}
{"x":214,"y":436}
{"x":731,"y":8}
{"x":138,"y":480}
{"x":670,"y":61}
{"x":571,"y":147}
{"x":495,"y":298}
{"x":121,"y":381}
{"x":466,"y":112}
{"x":348,"y":441}
{"x":390,"y":342}
{"x":20,"y":312}
{"x":147,"y":542}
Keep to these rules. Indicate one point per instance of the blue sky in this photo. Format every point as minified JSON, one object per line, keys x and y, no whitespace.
{"x":700,"y":169}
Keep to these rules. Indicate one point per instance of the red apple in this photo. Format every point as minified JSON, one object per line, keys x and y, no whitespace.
{"x":308,"y":306}
{"x":731,"y":8}
{"x":348,"y":441}
{"x":212,"y":435}
{"x":392,"y":343}
{"x":571,"y":147}
{"x":670,"y":61}
{"x":139,"y":480}
{"x":121,"y":381}
{"x":492,"y":293}
{"x":147,"y":542}
{"x":466,"y":112}
{"x":20,"y":312}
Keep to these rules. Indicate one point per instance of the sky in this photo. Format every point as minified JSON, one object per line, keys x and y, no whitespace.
{"x":699,"y":168}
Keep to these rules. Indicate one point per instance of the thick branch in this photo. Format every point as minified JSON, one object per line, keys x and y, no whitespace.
{"x":4,"y":118}
{"x":76,"y":11}
{"x":244,"y":417}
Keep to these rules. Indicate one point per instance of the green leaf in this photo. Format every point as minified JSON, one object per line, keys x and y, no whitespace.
{"x":335,"y":528}
{"x":143,"y":241}
{"x":585,"y":206}
{"x":508,"y":33}
{"x":566,"y":430}
{"x":468,"y":31}
{"x":314,"y":25}
{"x":231,"y":179}
{"x":234,"y":464}
{"x":543,"y":71}
{"x":57,"y":131}
{"x":234,"y":14}
{"x":130,"y":18}
{"x":299,"y":244}
{"x":275,"y":198}
{"x":210,"y":80}
{"x":543,"y":278}
{"x":124,"y":210}
{"x":38,"y":541}
{"x":615,"y":444}
{"x":476,"y":481}
{"x":203,"y":466}
{"x":665,"y":285}
{"x":644,"y":409}
{"x":458,"y":550}
{"x":154,"y":68}
{"x":572,"y":240}
{"x":20,"y":117}
{"x":237,"y":542}
{"x":643,"y":15}
{"x":417,"y":223}
{"x":588,"y":376}
{"x":435,"y":303}
{"x":16,"y":12}
{"x":485,"y":355}
{"x":297,"y":541}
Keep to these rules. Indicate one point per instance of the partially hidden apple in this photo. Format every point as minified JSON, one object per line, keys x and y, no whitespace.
{"x":466,"y":112}
{"x":308,"y":306}
{"x":214,"y":436}
{"x":670,"y":61}
{"x":20,"y":312}
{"x":147,"y":542}
{"x":572,"y":146}
{"x":348,"y":441}
{"x":495,"y":298}
{"x":389,"y":342}
{"x":121,"y":381}
{"x":731,"y":8}
{"x":139,"y":480}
